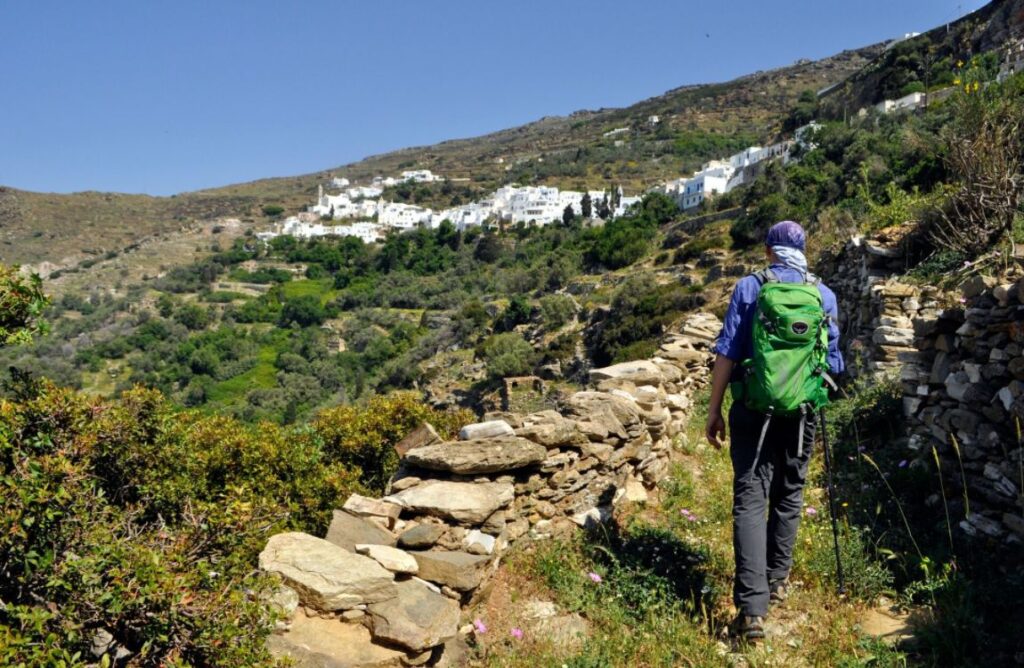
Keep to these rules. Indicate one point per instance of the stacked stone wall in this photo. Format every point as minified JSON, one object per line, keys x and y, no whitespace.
{"x":959,"y":358}
{"x":406,"y":567}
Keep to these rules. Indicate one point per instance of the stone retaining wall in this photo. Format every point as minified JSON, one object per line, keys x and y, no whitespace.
{"x":404,"y":568}
{"x":968,"y":387}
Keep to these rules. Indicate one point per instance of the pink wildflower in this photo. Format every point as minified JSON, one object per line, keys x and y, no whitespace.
{"x":594,"y":576}
{"x":811,"y":511}
{"x":479,"y":625}
{"x":517,"y":634}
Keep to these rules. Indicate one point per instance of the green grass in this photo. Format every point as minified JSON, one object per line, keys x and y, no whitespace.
{"x":665,"y":593}
{"x":321,"y":287}
{"x":263,"y":375}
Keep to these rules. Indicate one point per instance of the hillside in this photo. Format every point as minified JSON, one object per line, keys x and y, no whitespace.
{"x":66,"y":229}
{"x":207,"y":405}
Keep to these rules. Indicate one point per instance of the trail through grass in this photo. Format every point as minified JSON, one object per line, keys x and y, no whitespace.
{"x":665,"y":571}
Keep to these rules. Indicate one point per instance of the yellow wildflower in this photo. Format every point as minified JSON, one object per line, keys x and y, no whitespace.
{"x":956,"y":82}
{"x":976,"y":85}
{"x":959,"y":63}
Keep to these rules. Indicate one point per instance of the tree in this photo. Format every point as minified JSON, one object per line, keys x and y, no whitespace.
{"x":568,"y":215}
{"x":272,"y":210}
{"x":304,"y":311}
{"x":603,"y":210}
{"x":508,"y":354}
{"x":488,"y":249}
{"x":586,"y":206}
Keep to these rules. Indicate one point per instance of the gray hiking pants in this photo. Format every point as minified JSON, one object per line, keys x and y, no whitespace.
{"x":766,"y":501}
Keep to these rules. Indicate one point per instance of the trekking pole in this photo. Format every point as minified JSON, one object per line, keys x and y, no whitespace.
{"x":832,"y":503}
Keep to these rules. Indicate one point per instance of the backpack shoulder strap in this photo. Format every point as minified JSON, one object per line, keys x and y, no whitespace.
{"x":765,"y":275}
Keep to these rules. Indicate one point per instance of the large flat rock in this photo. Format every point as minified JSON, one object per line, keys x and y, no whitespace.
{"x":485,"y":455}
{"x":641,"y":372}
{"x":326,"y":577}
{"x":466,"y":502}
{"x":312,"y":642}
{"x":416,"y":619}
{"x":348,"y":530}
{"x":489,"y":429}
{"x":459,"y":570}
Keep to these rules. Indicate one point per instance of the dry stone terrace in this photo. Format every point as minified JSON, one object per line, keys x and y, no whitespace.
{"x":394,"y":577}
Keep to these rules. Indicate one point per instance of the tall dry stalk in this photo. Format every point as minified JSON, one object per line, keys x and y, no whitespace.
{"x":963,"y":475}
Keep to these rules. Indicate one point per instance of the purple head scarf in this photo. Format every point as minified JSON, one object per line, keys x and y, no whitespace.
{"x":787,"y":233}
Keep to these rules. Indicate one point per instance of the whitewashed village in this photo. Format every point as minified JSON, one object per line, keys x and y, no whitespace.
{"x":360,"y":210}
{"x":370,"y":218}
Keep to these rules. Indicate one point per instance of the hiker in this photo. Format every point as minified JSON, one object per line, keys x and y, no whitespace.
{"x":778,"y":377}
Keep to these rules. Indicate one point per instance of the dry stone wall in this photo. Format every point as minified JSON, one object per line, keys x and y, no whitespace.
{"x":968,"y":395}
{"x":961,"y":370}
{"x":404,"y":568}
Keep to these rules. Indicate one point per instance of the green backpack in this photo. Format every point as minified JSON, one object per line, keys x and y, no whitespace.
{"x":789,"y":368}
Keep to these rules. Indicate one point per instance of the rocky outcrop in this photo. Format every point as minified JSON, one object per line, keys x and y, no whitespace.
{"x":456,"y":507}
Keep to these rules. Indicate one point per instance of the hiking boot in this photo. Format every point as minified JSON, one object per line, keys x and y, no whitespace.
{"x":748,"y":628}
{"x":777,"y":591}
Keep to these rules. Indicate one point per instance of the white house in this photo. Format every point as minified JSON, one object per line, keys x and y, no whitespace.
{"x":712,"y":179}
{"x":905,"y":103}
{"x":368,"y":232}
{"x":402,"y":216}
{"x":1013,"y":61}
{"x":420,"y":176}
{"x":804,"y":134}
{"x":360,"y":192}
{"x":340,"y":182}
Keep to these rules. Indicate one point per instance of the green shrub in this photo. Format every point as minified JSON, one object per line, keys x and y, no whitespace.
{"x":21,"y":306}
{"x":508,"y":354}
{"x":363,"y":437}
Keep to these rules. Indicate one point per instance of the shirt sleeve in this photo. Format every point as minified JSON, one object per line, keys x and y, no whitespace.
{"x":731,"y":341}
{"x":835,"y":356}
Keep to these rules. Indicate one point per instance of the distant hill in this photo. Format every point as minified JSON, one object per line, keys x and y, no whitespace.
{"x":569,"y":150}
{"x":694,"y":123}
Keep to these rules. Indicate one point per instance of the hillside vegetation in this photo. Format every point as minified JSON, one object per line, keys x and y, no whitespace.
{"x":165,"y":427}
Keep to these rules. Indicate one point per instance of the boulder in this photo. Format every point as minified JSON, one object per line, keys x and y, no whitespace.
{"x":416,"y":619}
{"x":459,"y":570}
{"x":488,"y":455}
{"x":391,"y":558}
{"x":421,"y":536}
{"x":312,"y":642}
{"x":425,"y":434}
{"x":346,"y":530}
{"x":595,"y":405}
{"x":490,"y":429}
{"x":466,"y":502}
{"x":641,"y":372}
{"x":325,"y":576}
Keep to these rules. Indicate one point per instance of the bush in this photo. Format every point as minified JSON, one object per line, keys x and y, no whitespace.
{"x":364,"y":437}
{"x":21,"y":306}
{"x":639,"y":315}
{"x":508,"y":354}
{"x":556,"y":310}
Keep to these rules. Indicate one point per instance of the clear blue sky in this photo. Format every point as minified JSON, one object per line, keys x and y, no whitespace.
{"x":165,"y":97}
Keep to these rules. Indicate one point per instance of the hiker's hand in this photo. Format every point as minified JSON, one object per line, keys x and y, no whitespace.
{"x":715,"y":429}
